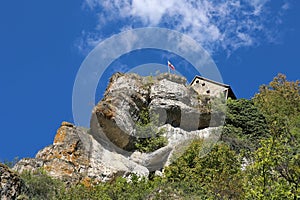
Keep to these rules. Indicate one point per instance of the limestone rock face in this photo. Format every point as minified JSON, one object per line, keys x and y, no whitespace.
{"x":107,"y":149}
{"x":116,"y":114}
{"x":127,"y":95}
{"x":11,"y":184}
{"x":178,"y":105}
{"x":76,"y":156}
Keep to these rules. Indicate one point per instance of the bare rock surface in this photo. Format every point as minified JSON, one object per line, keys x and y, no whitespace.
{"x":107,"y":149}
{"x":11,"y":184}
{"x":76,"y":156}
{"x":166,"y":95}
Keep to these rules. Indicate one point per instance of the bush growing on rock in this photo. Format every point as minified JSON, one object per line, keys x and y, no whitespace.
{"x":149,"y":137}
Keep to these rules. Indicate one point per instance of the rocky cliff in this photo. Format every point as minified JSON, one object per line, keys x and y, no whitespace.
{"x":11,"y":184}
{"x":133,"y":109}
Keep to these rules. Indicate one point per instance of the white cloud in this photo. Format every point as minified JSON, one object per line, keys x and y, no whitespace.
{"x":216,"y":25}
{"x":286,"y":6}
{"x":258,"y":6}
{"x":150,"y":11}
{"x":87,"y":41}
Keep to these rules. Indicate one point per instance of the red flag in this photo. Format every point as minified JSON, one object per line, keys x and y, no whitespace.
{"x":171,"y":66}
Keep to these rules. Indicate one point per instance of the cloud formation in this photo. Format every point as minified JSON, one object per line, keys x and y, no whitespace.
{"x":216,"y":25}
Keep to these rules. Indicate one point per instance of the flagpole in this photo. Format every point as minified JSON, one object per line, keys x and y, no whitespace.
{"x":168,"y":68}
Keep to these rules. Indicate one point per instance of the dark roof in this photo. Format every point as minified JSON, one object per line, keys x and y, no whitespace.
{"x":230,"y":91}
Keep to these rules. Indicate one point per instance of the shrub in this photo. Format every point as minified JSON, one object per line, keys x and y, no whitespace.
{"x":214,"y":176}
{"x":41,"y":186}
{"x":149,"y":138}
{"x":244,"y":125}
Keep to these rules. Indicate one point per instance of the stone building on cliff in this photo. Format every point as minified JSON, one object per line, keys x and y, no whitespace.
{"x":205,"y":86}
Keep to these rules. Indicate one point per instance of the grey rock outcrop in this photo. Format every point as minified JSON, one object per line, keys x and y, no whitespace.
{"x":127,"y":95}
{"x":76,"y":156}
{"x":11,"y":185}
{"x":107,"y":149}
{"x":116,"y":114}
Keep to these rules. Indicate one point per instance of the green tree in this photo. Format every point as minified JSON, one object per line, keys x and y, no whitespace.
{"x":244,"y":125}
{"x":277,"y":163}
{"x":280,"y":103}
{"x":262,"y":180}
{"x":216,"y":175}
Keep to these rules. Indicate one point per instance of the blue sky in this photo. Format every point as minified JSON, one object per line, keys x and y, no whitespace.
{"x":42,"y":46}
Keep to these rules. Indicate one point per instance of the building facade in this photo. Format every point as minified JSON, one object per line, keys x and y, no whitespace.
{"x":211,"y":88}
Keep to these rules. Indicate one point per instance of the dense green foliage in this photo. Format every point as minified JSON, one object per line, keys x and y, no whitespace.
{"x":280,"y":103}
{"x":149,"y":137}
{"x":152,"y":142}
{"x":244,"y":126}
{"x":213,"y":176}
{"x":275,"y":171}
{"x":267,"y":127}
